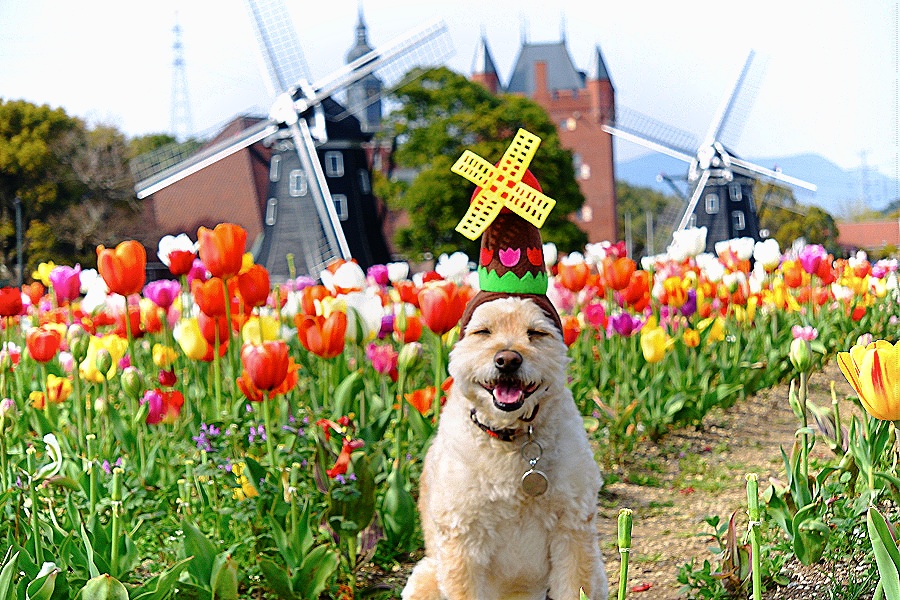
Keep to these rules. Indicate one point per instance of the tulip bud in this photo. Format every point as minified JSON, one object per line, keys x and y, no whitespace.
{"x":410,"y":356}
{"x":103,"y":362}
{"x":624,"y":528}
{"x":800,"y":354}
{"x":7,"y":413}
{"x":6,"y":362}
{"x":78,"y":340}
{"x":132,"y":383}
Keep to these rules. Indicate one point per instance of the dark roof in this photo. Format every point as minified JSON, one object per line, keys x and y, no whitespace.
{"x":483,"y":63}
{"x":600,"y":71}
{"x":561,"y":71}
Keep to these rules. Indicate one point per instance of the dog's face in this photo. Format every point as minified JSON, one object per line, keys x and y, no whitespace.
{"x":511,"y":358}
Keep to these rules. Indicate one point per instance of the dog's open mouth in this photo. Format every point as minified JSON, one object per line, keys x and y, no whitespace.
{"x":510,"y":394}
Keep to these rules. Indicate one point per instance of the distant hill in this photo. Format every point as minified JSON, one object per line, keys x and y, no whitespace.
{"x":839,"y":190}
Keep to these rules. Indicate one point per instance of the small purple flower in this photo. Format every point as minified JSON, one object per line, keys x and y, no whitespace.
{"x":387,"y":326}
{"x":352,"y":477}
{"x":340,"y":479}
{"x":162,"y":292}
{"x":257,"y":432}
{"x":105,"y":466}
{"x":66,"y":282}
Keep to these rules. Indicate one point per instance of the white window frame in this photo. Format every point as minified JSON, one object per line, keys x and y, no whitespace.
{"x":275,"y":168}
{"x":297,"y":185}
{"x":334,"y":163}
{"x":735,"y":192}
{"x":365,"y":183}
{"x":271,"y":210}
{"x":340,"y":206}
{"x":738,"y":222}
{"x":692,"y":222}
{"x":712,"y":204}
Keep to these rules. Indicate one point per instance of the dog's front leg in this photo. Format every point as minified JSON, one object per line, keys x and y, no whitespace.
{"x":575,"y":562}
{"x":462,"y":574}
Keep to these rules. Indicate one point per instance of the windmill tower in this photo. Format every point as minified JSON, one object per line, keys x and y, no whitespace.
{"x":319,"y":204}
{"x":720,"y":183}
{"x":180,"y":124}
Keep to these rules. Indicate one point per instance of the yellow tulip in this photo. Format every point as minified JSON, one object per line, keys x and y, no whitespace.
{"x":188,"y":335}
{"x":58,"y":388}
{"x":653,"y":344}
{"x":717,"y":333}
{"x":260,"y":329}
{"x":43,"y":273}
{"x":691,"y":338}
{"x":164,"y":356}
{"x":115,"y":345}
{"x":874,"y":373}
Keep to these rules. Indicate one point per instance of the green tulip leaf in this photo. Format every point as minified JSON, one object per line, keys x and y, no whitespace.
{"x":887,"y":556}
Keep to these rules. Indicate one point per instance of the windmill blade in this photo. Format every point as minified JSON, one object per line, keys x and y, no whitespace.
{"x":278,"y":43}
{"x":214,"y":153}
{"x":425,"y":47}
{"x":325,"y":240}
{"x":695,"y":197}
{"x":648,"y":132}
{"x":750,"y":169}
{"x":732,"y":113}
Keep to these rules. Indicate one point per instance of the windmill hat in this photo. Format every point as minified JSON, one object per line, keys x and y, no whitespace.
{"x":507,"y":210}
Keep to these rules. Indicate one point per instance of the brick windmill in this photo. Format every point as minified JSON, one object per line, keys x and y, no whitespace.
{"x":319,"y":203}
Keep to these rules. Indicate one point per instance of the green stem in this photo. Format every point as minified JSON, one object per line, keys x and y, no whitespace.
{"x":35,"y":523}
{"x":438,"y":376}
{"x":625,"y":522}
{"x":270,"y":432}
{"x":129,"y":333}
{"x":804,"y":437}
{"x":217,"y":375}
{"x":92,"y":471}
{"x":753,"y":511}
{"x":116,"y":525}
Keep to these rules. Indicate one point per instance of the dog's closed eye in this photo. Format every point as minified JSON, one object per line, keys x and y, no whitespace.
{"x":482,"y":331}
{"x":536,"y":334}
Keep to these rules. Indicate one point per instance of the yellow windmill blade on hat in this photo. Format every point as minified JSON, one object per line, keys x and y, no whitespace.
{"x":502,"y":186}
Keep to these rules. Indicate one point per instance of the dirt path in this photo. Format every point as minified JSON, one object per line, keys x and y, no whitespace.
{"x":692,"y":474}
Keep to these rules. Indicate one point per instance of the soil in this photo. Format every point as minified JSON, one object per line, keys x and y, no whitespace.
{"x":693,"y":473}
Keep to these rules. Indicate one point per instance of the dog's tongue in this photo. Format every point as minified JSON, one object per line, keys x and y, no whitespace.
{"x":508,"y":393}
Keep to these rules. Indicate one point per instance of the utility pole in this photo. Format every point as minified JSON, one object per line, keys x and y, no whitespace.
{"x":180,"y":125}
{"x":19,"y":268}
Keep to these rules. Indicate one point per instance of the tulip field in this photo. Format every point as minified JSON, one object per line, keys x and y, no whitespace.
{"x":219,"y":435}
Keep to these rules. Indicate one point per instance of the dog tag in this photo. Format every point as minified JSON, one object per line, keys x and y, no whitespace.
{"x":534,"y":483}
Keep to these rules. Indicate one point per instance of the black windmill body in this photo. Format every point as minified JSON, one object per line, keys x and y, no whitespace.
{"x":320,"y":204}
{"x":720,"y":184}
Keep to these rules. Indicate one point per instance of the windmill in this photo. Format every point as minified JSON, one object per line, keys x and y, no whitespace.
{"x":319,"y":205}
{"x":722,"y":180}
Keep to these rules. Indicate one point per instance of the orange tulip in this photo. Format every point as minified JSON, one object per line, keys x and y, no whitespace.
{"x":209,"y":296}
{"x":34,"y":291}
{"x":617,"y":272}
{"x":124,"y":268}
{"x":222,"y":249}
{"x":43,"y":343}
{"x":323,"y":337}
{"x":254,"y":286}
{"x":571,"y":329}
{"x":442,"y":306}
{"x":413,"y":330}
{"x":408,"y":292}
{"x":793,"y":273}
{"x":573,"y":277}
{"x":308,"y":297}
{"x":266,"y":363}
{"x":637,"y":293}
{"x":423,"y":399}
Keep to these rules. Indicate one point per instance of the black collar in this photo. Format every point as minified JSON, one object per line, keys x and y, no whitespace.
{"x":507,"y":434}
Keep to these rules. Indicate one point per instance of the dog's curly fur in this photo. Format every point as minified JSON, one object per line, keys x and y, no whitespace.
{"x":485,"y":539}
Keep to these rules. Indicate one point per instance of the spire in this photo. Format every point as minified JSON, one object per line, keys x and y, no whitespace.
{"x":361,"y":27}
{"x":562,"y":27}
{"x":361,"y":46}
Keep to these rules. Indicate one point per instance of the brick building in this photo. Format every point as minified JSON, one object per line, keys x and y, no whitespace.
{"x":578,"y":102}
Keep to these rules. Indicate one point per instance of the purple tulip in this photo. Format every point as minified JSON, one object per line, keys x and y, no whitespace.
{"x":66,"y":282}
{"x":162,"y":292}
{"x":625,"y":324}
{"x":301,"y":283}
{"x":811,"y":257}
{"x":690,"y":305}
{"x":387,"y":326}
{"x":378,"y":274}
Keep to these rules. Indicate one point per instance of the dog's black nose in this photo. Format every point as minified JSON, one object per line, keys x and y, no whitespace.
{"x":507,"y":361}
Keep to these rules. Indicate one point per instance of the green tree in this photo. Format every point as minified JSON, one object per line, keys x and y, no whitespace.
{"x":786,"y":219}
{"x":441,"y":114}
{"x":638,"y":203}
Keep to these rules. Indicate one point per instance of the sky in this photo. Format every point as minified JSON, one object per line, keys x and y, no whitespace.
{"x":830,"y":84}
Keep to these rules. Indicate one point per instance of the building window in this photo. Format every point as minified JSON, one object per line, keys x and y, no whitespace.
{"x":734,"y":190}
{"x":712,"y":204}
{"x":737,"y":220}
{"x":297,"y":183}
{"x":340,"y":205}
{"x":585,"y":214}
{"x":577,"y":163}
{"x":271,"y":206}
{"x":585,"y":172}
{"x":365,"y":185}
{"x":275,"y":168}
{"x":334,"y":164}
{"x":692,"y":222}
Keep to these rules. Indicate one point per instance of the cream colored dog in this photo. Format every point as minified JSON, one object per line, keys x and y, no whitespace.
{"x":497,"y":523}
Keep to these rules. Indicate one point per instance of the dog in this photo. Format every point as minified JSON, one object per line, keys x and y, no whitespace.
{"x":497,"y":523}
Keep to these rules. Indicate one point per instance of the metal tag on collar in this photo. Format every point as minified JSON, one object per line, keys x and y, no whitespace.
{"x":534,"y":482}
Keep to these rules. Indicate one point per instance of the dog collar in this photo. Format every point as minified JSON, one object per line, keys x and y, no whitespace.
{"x":507,"y":434}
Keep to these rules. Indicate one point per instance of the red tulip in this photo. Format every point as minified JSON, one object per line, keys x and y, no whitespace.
{"x":309,"y":295}
{"x":124,"y":268}
{"x":212,"y":326}
{"x":571,"y":329}
{"x":254,"y":286}
{"x":323,"y":337}
{"x":10,"y":302}
{"x":442,"y":306}
{"x":266,"y":363}
{"x":408,"y":292}
{"x":222,"y":249}
{"x":343,"y":461}
{"x":181,"y":262}
{"x":413,"y":330}
{"x":43,"y":343}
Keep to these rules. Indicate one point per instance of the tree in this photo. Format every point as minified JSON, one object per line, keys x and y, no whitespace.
{"x":441,"y":114}
{"x":787,"y":220}
{"x":638,"y":202}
